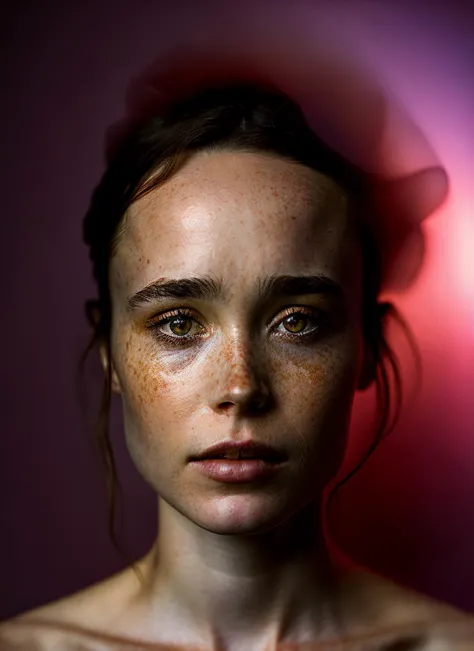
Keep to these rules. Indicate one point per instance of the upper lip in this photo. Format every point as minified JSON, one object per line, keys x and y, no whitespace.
{"x":244,"y":449}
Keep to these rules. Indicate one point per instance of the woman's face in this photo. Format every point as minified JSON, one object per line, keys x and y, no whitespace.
{"x":192,"y":360}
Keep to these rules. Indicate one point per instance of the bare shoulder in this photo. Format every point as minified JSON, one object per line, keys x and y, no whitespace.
{"x":447,"y":628}
{"x":456,"y":635}
{"x":380,"y":604}
{"x":73,"y":622}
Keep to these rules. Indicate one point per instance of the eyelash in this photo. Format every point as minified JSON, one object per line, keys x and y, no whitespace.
{"x":157,"y":322}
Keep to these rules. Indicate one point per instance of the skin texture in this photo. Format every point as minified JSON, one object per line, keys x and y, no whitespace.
{"x":179,"y":401}
{"x":241,"y":566}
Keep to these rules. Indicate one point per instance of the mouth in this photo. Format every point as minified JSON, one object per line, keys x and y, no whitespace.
{"x":240,"y":451}
{"x":246,"y":462}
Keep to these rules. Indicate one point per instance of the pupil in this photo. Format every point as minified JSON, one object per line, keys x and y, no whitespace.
{"x":178,"y":325}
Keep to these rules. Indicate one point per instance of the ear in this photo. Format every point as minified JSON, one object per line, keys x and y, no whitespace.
{"x":108,"y":366}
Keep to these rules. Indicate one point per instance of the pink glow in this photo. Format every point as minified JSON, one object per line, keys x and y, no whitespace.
{"x":424,"y":471}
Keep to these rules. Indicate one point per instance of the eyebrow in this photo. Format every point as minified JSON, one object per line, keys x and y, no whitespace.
{"x":210,"y":289}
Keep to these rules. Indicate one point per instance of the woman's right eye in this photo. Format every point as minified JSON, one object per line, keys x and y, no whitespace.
{"x":179,"y":324}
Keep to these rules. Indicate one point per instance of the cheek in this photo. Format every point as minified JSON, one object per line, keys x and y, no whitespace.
{"x":146,"y":382}
{"x":152,"y":404}
{"x":316,"y":393}
{"x":319,"y":383}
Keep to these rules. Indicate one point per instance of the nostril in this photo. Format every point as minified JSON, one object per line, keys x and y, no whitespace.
{"x":226,"y":405}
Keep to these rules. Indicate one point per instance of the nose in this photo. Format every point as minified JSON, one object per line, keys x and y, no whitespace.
{"x":241,"y":384}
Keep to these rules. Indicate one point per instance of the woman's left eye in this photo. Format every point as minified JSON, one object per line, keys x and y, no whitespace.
{"x":299,"y":323}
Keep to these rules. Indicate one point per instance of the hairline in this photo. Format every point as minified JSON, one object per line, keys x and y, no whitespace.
{"x":177,"y":162}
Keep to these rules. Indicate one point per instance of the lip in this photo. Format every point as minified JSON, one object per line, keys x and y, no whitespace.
{"x":253,"y":451}
{"x":265,"y":462}
{"x":237,"y":471}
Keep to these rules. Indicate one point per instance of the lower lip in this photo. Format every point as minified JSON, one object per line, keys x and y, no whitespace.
{"x":237,"y":471}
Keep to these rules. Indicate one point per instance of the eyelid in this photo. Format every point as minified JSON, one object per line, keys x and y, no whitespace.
{"x":294,"y":309}
{"x":282,"y":314}
{"x":170,"y":314}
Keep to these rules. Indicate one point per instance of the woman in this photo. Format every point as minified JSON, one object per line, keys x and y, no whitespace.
{"x":239,"y":266}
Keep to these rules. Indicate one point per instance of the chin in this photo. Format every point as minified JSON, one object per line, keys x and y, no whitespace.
{"x":240,"y":514}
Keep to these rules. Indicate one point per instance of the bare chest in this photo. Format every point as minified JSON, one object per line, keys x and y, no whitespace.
{"x":27,"y":639}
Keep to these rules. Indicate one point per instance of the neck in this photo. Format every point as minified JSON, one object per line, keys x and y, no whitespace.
{"x":270,"y":587}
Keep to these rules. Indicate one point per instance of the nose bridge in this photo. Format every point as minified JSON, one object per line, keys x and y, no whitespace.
{"x":241,"y":370}
{"x":242,"y":363}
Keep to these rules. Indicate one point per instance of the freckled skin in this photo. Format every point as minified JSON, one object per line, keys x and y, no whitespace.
{"x":222,"y":216}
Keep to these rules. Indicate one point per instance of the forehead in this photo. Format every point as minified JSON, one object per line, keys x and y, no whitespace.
{"x":236,"y":215}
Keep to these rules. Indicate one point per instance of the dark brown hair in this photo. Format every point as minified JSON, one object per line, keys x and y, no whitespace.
{"x":236,"y":117}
